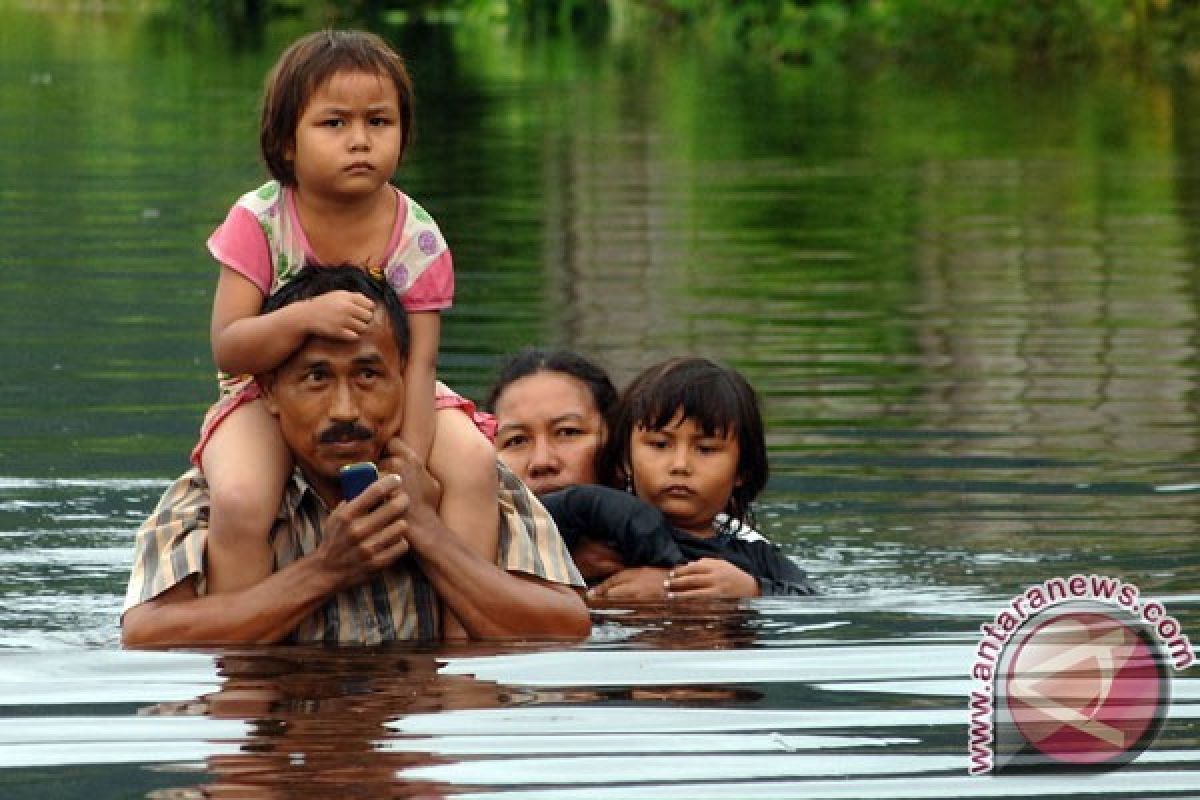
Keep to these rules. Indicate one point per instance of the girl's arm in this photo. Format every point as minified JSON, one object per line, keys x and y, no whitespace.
{"x":710,"y":577}
{"x":420,"y":373}
{"x":779,"y":575}
{"x":247,"y":342}
{"x":468,"y":481}
{"x":760,"y":561}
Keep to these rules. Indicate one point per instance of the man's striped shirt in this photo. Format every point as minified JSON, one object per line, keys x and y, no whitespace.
{"x":395,"y":604}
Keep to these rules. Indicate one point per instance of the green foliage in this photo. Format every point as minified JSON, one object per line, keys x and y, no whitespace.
{"x":957,"y":34}
{"x":1032,"y":31}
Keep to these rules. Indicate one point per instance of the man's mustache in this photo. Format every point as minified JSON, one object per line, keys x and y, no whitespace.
{"x":344,"y":432}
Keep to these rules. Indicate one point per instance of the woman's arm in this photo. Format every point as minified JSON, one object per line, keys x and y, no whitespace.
{"x":710,"y":577}
{"x":424,"y":328}
{"x":633,"y":528}
{"x":777,"y":575}
{"x":246,"y":342}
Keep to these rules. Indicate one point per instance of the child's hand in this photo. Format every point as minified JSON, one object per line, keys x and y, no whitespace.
{"x":635,"y":584}
{"x":340,"y":315}
{"x":596,"y":560}
{"x":709,"y":577}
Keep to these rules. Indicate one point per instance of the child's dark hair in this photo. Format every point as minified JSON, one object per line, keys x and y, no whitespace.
{"x":531,"y":361}
{"x":716,"y":398}
{"x":305,"y":65}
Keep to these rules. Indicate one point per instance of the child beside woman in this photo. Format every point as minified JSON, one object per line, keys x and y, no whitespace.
{"x":685,"y":440}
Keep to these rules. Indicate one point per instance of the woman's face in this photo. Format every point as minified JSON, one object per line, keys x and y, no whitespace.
{"x":548,"y":431}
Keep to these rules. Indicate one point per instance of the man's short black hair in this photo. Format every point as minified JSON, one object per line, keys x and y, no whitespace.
{"x":312,"y":282}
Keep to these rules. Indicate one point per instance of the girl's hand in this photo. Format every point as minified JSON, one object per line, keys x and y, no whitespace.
{"x":339,"y":315}
{"x":636,"y":585}
{"x":709,"y":577}
{"x":596,"y":560}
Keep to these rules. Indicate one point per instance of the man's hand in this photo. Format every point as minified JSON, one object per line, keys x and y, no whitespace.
{"x":422,"y":491}
{"x":366,"y":534}
{"x":633,"y":585}
{"x":361,"y":537}
{"x":709,"y":577}
{"x":596,"y":560}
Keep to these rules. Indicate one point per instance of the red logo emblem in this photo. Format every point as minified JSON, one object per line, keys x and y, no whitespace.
{"x":1084,"y":688}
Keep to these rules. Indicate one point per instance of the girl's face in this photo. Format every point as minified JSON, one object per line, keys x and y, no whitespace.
{"x":347,"y":141}
{"x":685,"y":474}
{"x":548,"y":430}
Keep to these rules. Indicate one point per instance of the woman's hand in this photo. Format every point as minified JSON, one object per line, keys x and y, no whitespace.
{"x":596,"y":560}
{"x":709,"y":577}
{"x":634,"y":585}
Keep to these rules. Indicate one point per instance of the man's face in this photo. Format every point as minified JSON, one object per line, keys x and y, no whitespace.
{"x":339,"y":402}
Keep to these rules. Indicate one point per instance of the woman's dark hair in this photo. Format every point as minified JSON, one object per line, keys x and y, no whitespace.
{"x":716,"y":398}
{"x":312,"y":282}
{"x":305,"y":65}
{"x":531,"y":361}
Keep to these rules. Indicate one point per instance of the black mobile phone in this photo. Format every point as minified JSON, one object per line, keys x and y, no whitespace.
{"x":356,"y":477}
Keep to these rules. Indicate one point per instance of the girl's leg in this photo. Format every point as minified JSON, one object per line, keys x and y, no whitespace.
{"x":246,"y":464}
{"x":464,"y":462}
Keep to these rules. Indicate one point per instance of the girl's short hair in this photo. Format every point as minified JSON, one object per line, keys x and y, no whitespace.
{"x":716,"y":398}
{"x":305,"y":65}
{"x":531,"y":361}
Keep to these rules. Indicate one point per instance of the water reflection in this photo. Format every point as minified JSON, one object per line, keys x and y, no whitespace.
{"x":606,"y":721}
{"x":696,"y":625}
{"x":791,"y":700}
{"x":318,"y":720}
{"x":1043,"y":303}
{"x":315,"y":720}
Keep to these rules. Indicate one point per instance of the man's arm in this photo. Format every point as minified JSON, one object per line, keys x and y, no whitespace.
{"x":490,"y":602}
{"x":261,"y":614}
{"x":356,"y":544}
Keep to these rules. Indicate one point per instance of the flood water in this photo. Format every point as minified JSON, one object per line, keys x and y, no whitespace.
{"x":970,"y":304}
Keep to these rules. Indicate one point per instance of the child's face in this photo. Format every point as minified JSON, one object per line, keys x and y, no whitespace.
{"x":348,"y":137}
{"x":685,"y":474}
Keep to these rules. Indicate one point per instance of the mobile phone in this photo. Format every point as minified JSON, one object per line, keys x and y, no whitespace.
{"x":356,"y":477}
